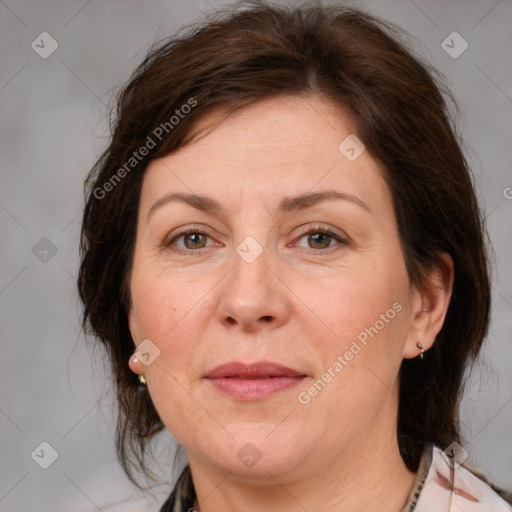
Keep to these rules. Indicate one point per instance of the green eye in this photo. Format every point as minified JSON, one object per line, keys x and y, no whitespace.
{"x":319,"y":240}
{"x":194,"y":240}
{"x":190,"y":240}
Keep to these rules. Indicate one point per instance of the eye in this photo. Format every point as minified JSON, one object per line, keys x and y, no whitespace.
{"x":320,"y":239}
{"x":189,"y":240}
{"x":194,"y":240}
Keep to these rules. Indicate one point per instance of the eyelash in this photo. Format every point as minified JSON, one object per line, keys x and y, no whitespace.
{"x":317,"y":229}
{"x":193,"y":230}
{"x":324,"y":230}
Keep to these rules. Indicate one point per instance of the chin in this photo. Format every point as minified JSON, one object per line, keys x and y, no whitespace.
{"x":256,"y":453}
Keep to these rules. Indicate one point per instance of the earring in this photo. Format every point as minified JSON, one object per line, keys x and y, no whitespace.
{"x":142,"y":379}
{"x":420,"y":347}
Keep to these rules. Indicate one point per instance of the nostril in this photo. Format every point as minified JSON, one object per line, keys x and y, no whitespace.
{"x":230,"y":320}
{"x":266,"y":318}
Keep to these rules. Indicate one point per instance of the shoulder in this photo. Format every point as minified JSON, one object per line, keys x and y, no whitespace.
{"x":450,"y":486}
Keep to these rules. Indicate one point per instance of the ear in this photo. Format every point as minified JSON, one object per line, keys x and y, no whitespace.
{"x":429,"y":307}
{"x":134,"y":363}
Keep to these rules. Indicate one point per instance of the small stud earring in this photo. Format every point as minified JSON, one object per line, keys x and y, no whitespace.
{"x":420,"y":347}
{"x":142,"y":380}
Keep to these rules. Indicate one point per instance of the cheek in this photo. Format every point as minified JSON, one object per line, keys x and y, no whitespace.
{"x":171,"y":315}
{"x":163,"y":307}
{"x":360,"y":359}
{"x":167,"y":313}
{"x":369,"y":309}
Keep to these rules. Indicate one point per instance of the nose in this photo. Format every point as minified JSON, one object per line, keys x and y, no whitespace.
{"x":252,"y":297}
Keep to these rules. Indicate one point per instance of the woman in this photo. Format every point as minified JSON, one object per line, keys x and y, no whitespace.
{"x":284,"y":256}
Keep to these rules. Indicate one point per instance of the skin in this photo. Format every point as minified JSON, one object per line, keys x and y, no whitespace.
{"x":301,"y":303}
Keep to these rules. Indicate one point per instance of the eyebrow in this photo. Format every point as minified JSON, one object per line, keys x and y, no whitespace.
{"x":308,"y":200}
{"x":287,"y":205}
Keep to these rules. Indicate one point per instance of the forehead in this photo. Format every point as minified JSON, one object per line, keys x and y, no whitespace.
{"x":287,"y":145}
{"x":289,"y":126}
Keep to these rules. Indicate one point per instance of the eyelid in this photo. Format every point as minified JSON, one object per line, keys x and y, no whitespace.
{"x":340,"y":236}
{"x":186,"y":230}
{"x":324,"y":228}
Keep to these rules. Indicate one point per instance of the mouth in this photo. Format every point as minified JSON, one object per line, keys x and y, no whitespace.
{"x":255,"y":381}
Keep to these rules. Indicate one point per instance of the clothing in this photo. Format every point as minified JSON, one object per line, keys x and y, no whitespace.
{"x":437,"y":488}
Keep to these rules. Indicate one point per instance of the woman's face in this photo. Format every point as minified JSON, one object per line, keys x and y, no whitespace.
{"x":267,"y":243}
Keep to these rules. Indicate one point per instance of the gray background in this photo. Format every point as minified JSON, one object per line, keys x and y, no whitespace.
{"x":53,"y":127}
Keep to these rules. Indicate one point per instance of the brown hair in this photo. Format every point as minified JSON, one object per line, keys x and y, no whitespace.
{"x":399,"y":111}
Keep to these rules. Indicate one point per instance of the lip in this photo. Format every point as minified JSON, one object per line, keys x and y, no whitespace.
{"x":255,"y":381}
